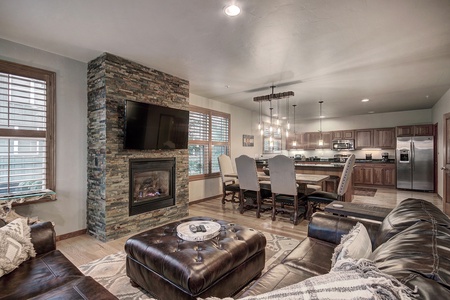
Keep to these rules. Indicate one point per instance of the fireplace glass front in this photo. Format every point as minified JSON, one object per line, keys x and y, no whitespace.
{"x":152,"y":184}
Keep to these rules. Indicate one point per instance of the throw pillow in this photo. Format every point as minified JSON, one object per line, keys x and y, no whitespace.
{"x":356,"y":245}
{"x":15,"y":245}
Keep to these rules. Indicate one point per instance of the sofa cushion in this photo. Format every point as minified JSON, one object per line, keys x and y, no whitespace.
{"x":407,"y":213}
{"x":356,"y":245}
{"x":312,"y":256}
{"x":15,"y":245}
{"x":38,"y":275}
{"x":80,"y":288}
{"x":423,"y":248}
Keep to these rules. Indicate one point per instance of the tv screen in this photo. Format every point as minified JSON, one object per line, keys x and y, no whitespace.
{"x":149,"y":126}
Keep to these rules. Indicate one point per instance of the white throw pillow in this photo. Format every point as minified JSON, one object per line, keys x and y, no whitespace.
{"x":15,"y":245}
{"x":356,"y":244}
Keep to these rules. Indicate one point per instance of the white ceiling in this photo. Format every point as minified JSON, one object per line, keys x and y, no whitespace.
{"x":397,"y":53}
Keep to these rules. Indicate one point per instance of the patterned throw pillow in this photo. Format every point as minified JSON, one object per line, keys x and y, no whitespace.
{"x":356,"y":245}
{"x":15,"y":245}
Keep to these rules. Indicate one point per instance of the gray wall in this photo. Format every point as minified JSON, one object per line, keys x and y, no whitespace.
{"x":69,"y":211}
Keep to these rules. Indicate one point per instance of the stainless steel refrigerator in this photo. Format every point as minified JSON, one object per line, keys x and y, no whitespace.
{"x":415,"y":163}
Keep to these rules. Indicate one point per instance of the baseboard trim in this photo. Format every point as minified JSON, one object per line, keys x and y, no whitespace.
{"x":205,"y":199}
{"x":70,"y":235}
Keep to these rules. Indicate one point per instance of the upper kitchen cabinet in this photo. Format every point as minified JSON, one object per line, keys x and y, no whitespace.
{"x":415,"y":130}
{"x":312,"y":140}
{"x":363,"y":138}
{"x":299,"y":138}
{"x":343,"y":135}
{"x":384,"y":138}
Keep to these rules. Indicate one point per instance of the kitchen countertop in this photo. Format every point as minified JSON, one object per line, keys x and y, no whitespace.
{"x":328,"y":162}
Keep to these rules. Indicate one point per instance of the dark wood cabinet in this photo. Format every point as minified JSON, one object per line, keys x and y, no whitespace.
{"x":343,"y":135}
{"x":299,"y":138}
{"x":311,"y":140}
{"x":363,"y":138}
{"x":415,"y":130}
{"x":363,"y":175}
{"x":384,"y":138}
{"x":423,"y":130}
{"x":374,"y":174}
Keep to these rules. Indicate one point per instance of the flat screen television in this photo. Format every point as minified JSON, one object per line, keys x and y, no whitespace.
{"x":149,"y":127}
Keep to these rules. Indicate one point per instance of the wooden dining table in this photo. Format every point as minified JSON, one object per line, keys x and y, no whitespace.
{"x":302,"y":179}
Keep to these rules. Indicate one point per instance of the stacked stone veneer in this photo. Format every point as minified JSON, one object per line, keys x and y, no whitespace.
{"x":111,"y":81}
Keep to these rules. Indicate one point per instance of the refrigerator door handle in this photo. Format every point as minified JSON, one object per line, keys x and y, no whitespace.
{"x":413,"y":156}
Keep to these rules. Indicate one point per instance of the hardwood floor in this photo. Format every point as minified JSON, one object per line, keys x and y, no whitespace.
{"x":84,"y":248}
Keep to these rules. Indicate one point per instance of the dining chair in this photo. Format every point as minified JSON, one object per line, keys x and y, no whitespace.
{"x":321,"y":197}
{"x":229,"y":185}
{"x":285,"y":190}
{"x":250,"y":186}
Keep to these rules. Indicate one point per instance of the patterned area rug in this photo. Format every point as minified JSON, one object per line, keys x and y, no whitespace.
{"x":369,"y":192}
{"x":110,"y":270}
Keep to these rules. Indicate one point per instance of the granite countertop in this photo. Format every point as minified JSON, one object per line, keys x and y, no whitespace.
{"x":319,"y":165}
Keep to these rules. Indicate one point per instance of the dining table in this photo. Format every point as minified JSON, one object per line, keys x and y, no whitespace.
{"x":302,"y":179}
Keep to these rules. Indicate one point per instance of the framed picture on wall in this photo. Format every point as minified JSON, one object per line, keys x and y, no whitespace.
{"x":248,"y":140}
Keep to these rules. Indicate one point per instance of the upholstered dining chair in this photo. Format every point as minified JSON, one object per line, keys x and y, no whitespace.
{"x":229,"y":185}
{"x":321,"y":197}
{"x":284,"y":187}
{"x":250,"y":186}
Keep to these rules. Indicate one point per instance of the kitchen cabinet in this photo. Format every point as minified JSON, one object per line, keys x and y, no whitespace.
{"x":343,"y":135}
{"x":415,"y":130}
{"x":384,"y":138}
{"x":311,"y":140}
{"x":363,"y":175}
{"x":299,"y":137}
{"x":363,"y":138}
{"x":374,"y":174}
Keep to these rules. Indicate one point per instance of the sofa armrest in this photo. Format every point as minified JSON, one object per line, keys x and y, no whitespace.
{"x":330,"y":228}
{"x":43,"y":237}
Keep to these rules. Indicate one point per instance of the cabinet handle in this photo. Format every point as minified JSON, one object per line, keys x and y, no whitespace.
{"x":444,"y":169}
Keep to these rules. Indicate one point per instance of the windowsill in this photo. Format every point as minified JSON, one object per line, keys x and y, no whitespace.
{"x":19,"y":200}
{"x":41,"y":200}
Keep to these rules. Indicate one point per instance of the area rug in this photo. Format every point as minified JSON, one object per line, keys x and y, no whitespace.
{"x":369,"y":192}
{"x":110,"y":271}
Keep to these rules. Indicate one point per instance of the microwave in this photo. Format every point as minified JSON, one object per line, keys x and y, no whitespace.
{"x":343,"y":145}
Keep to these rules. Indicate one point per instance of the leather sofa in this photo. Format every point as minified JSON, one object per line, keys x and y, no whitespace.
{"x":49,"y":275}
{"x":412,"y":244}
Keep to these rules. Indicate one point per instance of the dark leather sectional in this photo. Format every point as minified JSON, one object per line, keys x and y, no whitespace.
{"x":49,"y":275}
{"x":412,"y":244}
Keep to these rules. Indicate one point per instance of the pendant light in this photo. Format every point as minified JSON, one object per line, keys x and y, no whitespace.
{"x":288,"y":125}
{"x":320,"y":124}
{"x":294,"y":142}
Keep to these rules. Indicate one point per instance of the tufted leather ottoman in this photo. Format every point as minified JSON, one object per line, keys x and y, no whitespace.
{"x":171,"y":268}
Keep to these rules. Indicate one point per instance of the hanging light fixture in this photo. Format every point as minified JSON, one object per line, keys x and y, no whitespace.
{"x":270,"y":97}
{"x":294,"y":142}
{"x":288,"y":125}
{"x":320,"y":123}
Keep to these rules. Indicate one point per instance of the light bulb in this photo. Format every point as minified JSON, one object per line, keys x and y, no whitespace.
{"x":259,"y":126}
{"x":288,"y":125}
{"x":278,"y":130}
{"x":271,"y":128}
{"x":294,"y":143}
{"x":287,"y":133}
{"x":320,"y":142}
{"x":262,"y":132}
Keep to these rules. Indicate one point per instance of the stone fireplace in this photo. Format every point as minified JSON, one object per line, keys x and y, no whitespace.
{"x":111,"y":81}
{"x":152,"y":184}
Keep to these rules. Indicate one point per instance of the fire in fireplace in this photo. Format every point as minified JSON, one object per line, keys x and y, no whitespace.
{"x":152,"y":184}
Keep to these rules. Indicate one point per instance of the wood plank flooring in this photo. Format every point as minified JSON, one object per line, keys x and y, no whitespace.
{"x":84,"y":248}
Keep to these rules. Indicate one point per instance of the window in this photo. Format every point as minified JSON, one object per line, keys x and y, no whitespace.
{"x":209,"y":137}
{"x":27,"y":99}
{"x":275,"y":145}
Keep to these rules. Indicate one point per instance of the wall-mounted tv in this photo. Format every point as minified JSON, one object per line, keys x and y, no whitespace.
{"x":149,"y":126}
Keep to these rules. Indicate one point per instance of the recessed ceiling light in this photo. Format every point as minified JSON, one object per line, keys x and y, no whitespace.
{"x":371,"y":112}
{"x":232,"y":10}
{"x":365,"y":100}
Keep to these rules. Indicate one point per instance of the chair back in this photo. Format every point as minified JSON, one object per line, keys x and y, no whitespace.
{"x":345,"y":177}
{"x":225,"y":167}
{"x":247,"y":174}
{"x":282,"y":175}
